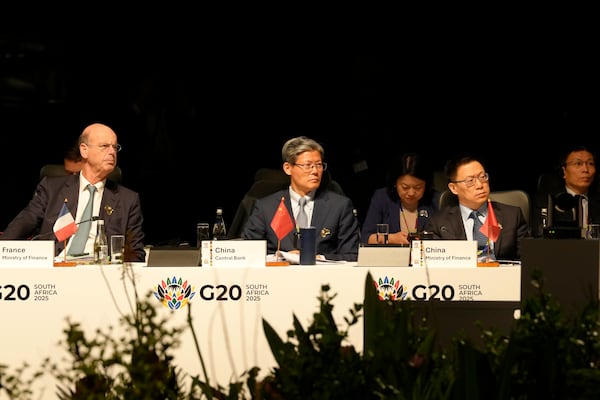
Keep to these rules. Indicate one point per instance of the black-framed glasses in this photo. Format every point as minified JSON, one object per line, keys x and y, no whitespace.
{"x":580,"y":163}
{"x":470,"y":180}
{"x":309,"y":166}
{"x":104,"y":147}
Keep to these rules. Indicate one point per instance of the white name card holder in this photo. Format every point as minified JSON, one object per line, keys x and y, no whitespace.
{"x":26,"y":253}
{"x":444,"y":253}
{"x":234,"y":253}
{"x":383,"y":256}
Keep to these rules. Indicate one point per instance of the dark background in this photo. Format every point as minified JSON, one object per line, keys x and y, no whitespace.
{"x":197,"y":115}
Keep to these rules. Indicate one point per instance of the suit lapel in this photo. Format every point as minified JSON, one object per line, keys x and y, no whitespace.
{"x":456,"y":222}
{"x":499,"y":218}
{"x":318,"y":218}
{"x":71,"y":194}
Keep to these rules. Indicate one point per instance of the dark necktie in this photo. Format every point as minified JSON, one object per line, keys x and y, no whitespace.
{"x":585,"y":218}
{"x":85,"y":223}
{"x":302,"y":219}
{"x":477,"y":235}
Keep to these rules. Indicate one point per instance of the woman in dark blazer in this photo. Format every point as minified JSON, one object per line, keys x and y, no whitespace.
{"x":405,"y":203}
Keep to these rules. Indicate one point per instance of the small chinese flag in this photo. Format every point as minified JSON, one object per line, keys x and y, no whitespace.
{"x":490,"y":227}
{"x":282,"y":223}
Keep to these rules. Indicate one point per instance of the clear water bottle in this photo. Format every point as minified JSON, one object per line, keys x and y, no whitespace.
{"x":219,"y":231}
{"x":101,"y":244}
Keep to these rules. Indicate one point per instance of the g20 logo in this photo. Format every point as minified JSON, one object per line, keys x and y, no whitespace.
{"x":14,"y":293}
{"x":176,"y":293}
{"x":220,"y":292}
{"x":422,"y":292}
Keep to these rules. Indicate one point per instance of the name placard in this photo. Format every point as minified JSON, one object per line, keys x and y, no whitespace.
{"x":234,"y":253}
{"x":444,"y":253}
{"x":26,"y":253}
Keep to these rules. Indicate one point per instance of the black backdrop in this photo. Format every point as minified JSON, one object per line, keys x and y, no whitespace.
{"x":196,"y":121}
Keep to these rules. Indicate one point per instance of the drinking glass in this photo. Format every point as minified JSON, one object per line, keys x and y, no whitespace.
{"x":593,"y":231}
{"x":117,"y":249}
{"x":382,"y":231}
{"x":202,"y":233}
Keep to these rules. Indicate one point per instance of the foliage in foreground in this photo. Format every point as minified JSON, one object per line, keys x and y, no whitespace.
{"x":546,"y":355}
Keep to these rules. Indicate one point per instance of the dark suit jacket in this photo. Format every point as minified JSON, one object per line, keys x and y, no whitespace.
{"x":120,"y":209}
{"x":337,"y":228}
{"x":447,"y":224}
{"x":385,"y":210}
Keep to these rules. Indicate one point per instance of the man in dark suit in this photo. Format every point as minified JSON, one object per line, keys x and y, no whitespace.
{"x":117,"y":205}
{"x":573,"y":186}
{"x":469,"y":181}
{"x":329,"y":212}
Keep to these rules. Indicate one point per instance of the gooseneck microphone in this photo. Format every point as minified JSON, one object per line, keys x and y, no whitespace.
{"x":44,"y":234}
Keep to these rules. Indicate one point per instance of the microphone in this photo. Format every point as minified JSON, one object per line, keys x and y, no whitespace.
{"x":41,"y":235}
{"x":355,"y":213}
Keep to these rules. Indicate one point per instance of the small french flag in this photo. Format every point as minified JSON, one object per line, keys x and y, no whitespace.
{"x":65,"y":225}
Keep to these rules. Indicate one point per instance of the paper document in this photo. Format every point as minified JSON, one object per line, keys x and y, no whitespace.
{"x":294,"y":258}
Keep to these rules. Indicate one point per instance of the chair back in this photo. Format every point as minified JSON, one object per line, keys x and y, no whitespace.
{"x":440,"y":181}
{"x":516,"y":197}
{"x":550,"y":182}
{"x":447,"y":198}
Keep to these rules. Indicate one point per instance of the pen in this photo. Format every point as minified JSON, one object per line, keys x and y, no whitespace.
{"x":80,"y":255}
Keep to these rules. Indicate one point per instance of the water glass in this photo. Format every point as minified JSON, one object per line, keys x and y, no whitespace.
{"x":202,"y":233}
{"x":593,"y":231}
{"x":117,"y":249}
{"x":383,"y":230}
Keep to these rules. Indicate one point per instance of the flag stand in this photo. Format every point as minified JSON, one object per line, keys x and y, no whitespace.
{"x":488,"y":260}
{"x":488,"y":264}
{"x":492,"y":232}
{"x":65,"y":263}
{"x":280,"y":261}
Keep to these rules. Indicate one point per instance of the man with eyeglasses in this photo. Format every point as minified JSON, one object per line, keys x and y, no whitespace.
{"x":469,"y":181}
{"x":117,"y":205}
{"x":329,"y":212}
{"x":577,"y":187}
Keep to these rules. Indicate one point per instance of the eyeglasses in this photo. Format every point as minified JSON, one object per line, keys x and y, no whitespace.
{"x":470,"y":181}
{"x":104,"y":147}
{"x":581,"y":163}
{"x":309,"y":166}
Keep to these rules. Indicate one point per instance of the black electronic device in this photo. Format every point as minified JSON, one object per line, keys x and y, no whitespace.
{"x":564,"y":217}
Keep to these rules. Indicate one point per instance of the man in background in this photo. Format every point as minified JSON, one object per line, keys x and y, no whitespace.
{"x":575,"y":180}
{"x":72,"y":160}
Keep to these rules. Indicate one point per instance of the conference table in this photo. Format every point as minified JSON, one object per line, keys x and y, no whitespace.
{"x":227,"y":306}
